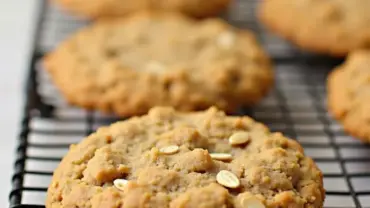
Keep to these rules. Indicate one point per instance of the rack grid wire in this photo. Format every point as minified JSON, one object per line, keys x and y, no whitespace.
{"x":296,"y":107}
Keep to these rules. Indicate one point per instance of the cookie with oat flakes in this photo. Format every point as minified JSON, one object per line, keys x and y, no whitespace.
{"x":129,"y":65}
{"x":334,"y":27}
{"x":176,"y":159}
{"x":349,"y":93}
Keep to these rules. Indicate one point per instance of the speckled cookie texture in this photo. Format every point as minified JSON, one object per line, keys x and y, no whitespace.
{"x":333,"y":27}
{"x":129,"y":65}
{"x":349,"y":94}
{"x":116,"y":8}
{"x":169,"y":159}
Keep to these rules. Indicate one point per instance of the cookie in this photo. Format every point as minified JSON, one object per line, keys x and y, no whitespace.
{"x":116,"y":8}
{"x":173,"y":159}
{"x":333,"y":27}
{"x":129,"y":65}
{"x":349,"y":94}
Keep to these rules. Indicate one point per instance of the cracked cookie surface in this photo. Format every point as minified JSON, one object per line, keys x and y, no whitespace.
{"x":333,"y":27}
{"x":129,"y":65}
{"x":349,"y":94}
{"x":116,"y":8}
{"x":167,"y":159}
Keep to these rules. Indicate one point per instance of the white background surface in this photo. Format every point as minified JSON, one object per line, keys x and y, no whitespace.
{"x":16,"y":28}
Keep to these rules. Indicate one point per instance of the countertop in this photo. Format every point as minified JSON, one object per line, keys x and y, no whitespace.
{"x":16,"y":28}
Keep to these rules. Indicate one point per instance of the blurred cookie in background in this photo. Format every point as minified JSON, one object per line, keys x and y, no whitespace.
{"x":113,"y":8}
{"x":128,"y":65}
{"x":349,"y":94}
{"x":333,"y":27}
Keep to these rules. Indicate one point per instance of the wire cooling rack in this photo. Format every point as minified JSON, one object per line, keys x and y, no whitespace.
{"x":296,"y":107}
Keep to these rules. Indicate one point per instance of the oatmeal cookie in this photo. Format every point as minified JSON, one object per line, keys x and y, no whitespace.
{"x":129,"y":65}
{"x":334,"y":27}
{"x":349,"y":94}
{"x":176,"y":159}
{"x":116,"y":8}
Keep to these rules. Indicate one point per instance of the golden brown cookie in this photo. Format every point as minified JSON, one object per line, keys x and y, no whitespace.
{"x":349,"y":94}
{"x":127,"y":66}
{"x":334,"y":27}
{"x":172,"y":159}
{"x":114,"y":8}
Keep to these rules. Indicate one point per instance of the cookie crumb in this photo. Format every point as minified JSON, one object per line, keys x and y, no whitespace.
{"x":221,"y":156}
{"x":155,"y":67}
{"x":123,"y":168}
{"x":227,"y":179}
{"x":120,"y":183}
{"x":108,"y":139}
{"x":55,"y":184}
{"x":239,"y":138}
{"x":251,"y":202}
{"x":169,"y":150}
{"x":226,"y":40}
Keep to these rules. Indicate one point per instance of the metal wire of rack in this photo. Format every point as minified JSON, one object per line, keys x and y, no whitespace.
{"x":296,"y":107}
